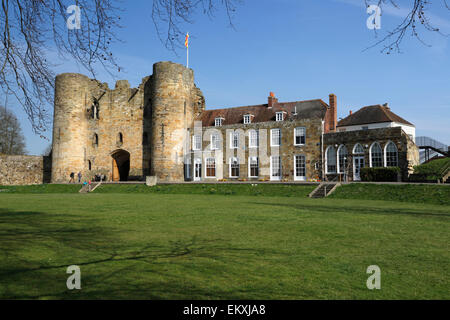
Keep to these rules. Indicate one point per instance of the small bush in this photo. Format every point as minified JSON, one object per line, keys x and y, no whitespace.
{"x":389,"y":174}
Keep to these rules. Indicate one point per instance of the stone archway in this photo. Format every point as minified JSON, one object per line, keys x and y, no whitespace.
{"x":120,"y":165}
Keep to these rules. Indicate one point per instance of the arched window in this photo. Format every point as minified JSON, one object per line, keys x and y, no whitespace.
{"x":358,"y":149}
{"x":95,"y":140}
{"x":376,"y":155}
{"x":331,"y":159}
{"x":391,"y":153}
{"x":95,"y":110}
{"x":120,"y":139}
{"x":342,"y":159}
{"x":89,"y":165}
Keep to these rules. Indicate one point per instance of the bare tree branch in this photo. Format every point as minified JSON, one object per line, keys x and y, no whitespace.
{"x":31,"y":29}
{"x":169,"y":16}
{"x":417,"y":16}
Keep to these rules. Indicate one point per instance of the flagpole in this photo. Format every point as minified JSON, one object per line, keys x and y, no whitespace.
{"x":187,"y":50}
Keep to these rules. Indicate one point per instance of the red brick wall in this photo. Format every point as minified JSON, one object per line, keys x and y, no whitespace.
{"x":331,"y":115}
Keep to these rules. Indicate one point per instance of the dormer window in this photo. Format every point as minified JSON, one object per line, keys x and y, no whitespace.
{"x":279,"y":116}
{"x":218,"y":122}
{"x":247,"y":119}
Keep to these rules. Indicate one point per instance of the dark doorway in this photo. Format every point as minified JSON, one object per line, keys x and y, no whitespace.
{"x":120,"y":165}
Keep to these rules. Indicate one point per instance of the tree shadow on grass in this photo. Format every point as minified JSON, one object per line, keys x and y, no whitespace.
{"x":355,"y":209}
{"x":111,"y":268}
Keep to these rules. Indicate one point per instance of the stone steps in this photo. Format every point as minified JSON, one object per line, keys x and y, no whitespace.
{"x":86,"y":188}
{"x":324,"y":190}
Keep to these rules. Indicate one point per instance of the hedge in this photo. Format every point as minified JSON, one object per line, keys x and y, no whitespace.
{"x":389,"y":174}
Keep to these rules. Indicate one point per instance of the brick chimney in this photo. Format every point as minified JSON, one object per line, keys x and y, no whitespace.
{"x":272,"y":101}
{"x":331,"y":116}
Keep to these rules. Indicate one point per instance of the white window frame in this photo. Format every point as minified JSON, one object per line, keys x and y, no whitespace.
{"x":247,"y":119}
{"x":327,"y":160}
{"x":218,"y":122}
{"x":252,"y":139}
{"x":271,"y":137}
{"x":215,"y":141}
{"x":206,"y":167}
{"x":385,"y":154}
{"x":234,"y":140}
{"x":197,"y":161}
{"x":279,"y":116}
{"x":232,"y":162}
{"x":196,"y":142}
{"x":354,"y":149}
{"x":272,"y":177}
{"x":371,"y":152}
{"x":250,"y":166}
{"x":295,"y":136}
{"x":338,"y":163}
{"x":296,"y":177}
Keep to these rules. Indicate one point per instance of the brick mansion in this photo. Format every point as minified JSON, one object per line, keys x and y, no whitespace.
{"x":162,"y":128}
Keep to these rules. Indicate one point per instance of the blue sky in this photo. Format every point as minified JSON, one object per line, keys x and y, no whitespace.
{"x":300,"y":50}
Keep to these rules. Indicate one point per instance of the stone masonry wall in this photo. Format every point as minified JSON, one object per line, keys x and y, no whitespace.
{"x":287,"y":150}
{"x":24,"y":170}
{"x":120,"y":113}
{"x":89,"y":118}
{"x":173,"y":98}
{"x":408,"y":152}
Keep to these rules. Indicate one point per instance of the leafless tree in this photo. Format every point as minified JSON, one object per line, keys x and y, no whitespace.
{"x":169,"y":16}
{"x":12,"y":140}
{"x":32,"y":30}
{"x":418,"y":16}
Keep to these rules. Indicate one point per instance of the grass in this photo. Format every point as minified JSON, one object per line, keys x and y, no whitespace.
{"x":197,"y":246}
{"x":414,"y":193}
{"x":271,"y":190}
{"x":218,"y":189}
{"x":42,"y":188}
{"x":433,"y":167}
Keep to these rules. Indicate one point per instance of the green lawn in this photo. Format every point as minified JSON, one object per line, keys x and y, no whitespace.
{"x":208,"y":246}
{"x":418,"y":193}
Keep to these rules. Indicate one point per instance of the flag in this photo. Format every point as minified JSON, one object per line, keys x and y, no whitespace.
{"x":186,"y":42}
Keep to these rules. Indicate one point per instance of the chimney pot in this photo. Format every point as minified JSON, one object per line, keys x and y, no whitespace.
{"x":351,"y":112}
{"x":272,"y":101}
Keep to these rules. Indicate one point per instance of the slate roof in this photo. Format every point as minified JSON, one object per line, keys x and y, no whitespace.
{"x":261,"y":113}
{"x":372,"y":114}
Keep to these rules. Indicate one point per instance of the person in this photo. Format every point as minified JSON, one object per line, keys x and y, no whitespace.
{"x":72,"y":177}
{"x":79,"y":177}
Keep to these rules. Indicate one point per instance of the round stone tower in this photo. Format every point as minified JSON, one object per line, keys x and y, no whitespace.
{"x":69,"y":125}
{"x":172,"y":115}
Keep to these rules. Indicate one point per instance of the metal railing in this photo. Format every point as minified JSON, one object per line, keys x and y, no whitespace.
{"x":430,"y":142}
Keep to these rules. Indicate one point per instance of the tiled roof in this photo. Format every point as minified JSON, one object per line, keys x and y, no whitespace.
{"x":372,"y":114}
{"x":261,"y":113}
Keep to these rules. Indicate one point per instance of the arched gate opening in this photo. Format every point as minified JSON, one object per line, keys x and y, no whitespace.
{"x":120,"y":165}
